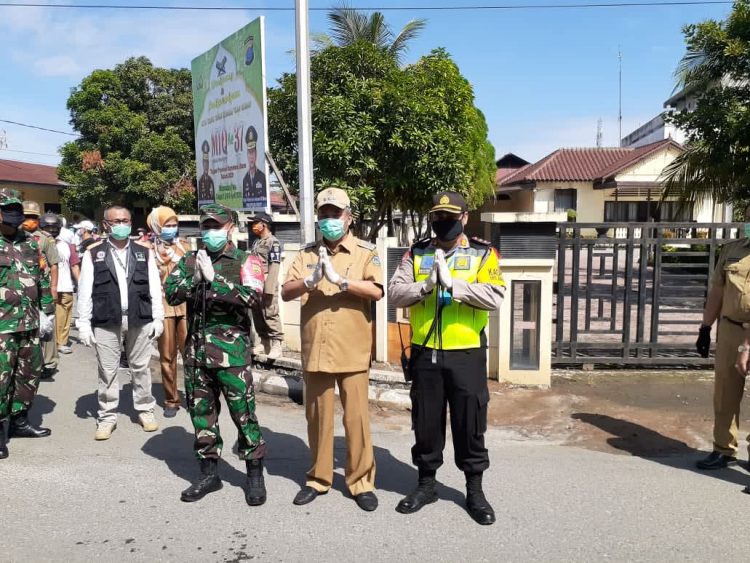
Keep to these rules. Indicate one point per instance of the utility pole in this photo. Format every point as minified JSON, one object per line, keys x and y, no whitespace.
{"x":619,"y":57}
{"x":304,"y":123}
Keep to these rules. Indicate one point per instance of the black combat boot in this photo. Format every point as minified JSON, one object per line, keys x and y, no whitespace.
{"x":20,"y":427}
{"x":208,"y":482}
{"x":255,"y":493}
{"x":3,"y":446}
{"x":476,"y":503}
{"x":425,"y":493}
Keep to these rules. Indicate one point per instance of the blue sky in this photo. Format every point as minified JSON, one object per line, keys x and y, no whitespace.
{"x":542,"y":77}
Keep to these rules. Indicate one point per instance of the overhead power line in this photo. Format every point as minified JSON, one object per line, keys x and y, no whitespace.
{"x":40,"y":128}
{"x":29,"y":152}
{"x":541,"y":6}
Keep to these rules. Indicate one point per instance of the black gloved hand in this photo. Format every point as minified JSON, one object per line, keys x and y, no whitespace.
{"x":703,"y":344}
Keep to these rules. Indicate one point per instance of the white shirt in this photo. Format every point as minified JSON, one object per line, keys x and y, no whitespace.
{"x":86,"y":283}
{"x":64,"y":277}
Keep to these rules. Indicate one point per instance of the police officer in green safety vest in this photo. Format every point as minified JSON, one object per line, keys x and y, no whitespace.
{"x":450,"y":284}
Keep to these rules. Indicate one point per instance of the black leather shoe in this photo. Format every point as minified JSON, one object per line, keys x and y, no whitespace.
{"x":170,"y":412}
{"x":424,"y":494}
{"x":479,"y":509}
{"x":255,"y":494}
{"x":715,"y":460}
{"x":209,"y":482}
{"x":3,"y":446}
{"x":20,"y":427}
{"x":47,"y":373}
{"x":306,"y":495}
{"x":367,"y":501}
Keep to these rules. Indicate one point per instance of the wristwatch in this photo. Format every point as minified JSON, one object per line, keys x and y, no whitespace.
{"x":344,"y":286}
{"x":742,"y":348}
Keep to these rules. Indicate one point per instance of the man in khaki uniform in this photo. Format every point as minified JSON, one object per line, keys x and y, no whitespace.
{"x":266,"y":318}
{"x":32,"y":212}
{"x":337,"y":280}
{"x":729,"y":301}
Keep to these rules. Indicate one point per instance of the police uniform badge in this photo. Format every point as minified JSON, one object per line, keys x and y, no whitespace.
{"x":140,"y":256}
{"x":100,"y":255}
{"x":426,"y":265}
{"x":376,"y":260}
{"x":275,"y":254}
{"x":461,"y":263}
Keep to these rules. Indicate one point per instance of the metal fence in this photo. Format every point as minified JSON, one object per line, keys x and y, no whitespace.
{"x":633,"y":293}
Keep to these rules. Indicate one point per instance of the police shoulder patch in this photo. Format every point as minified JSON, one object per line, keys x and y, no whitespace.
{"x":480,"y":241}
{"x":365,"y":244}
{"x":424,"y":243}
{"x":310,"y":245}
{"x":275,"y":253}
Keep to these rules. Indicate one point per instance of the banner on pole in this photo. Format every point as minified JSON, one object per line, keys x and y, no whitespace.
{"x":229,"y":112}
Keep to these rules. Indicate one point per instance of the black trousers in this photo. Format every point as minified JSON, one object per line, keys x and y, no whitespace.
{"x":458,"y":379}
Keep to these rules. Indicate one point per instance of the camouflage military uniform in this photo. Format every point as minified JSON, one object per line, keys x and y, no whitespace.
{"x":23,"y":287}
{"x":50,"y":257}
{"x":218,"y":353}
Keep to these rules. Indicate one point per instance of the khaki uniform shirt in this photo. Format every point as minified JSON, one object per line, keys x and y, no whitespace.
{"x":167,"y":256}
{"x":733,"y":274}
{"x":336,"y":326}
{"x":269,"y":249}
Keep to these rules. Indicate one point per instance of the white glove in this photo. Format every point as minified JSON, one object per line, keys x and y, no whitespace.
{"x":444,"y":273}
{"x":328,"y":270}
{"x":46,"y":324}
{"x":86,"y":335}
{"x":203,"y":263}
{"x":429,"y":284}
{"x":157,"y":328}
{"x":313,"y":279}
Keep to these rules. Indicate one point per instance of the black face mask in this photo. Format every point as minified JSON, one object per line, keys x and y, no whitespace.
{"x":13,"y":218}
{"x":447,"y":229}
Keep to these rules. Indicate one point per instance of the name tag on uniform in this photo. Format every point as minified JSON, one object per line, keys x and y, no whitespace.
{"x":140,"y":256}
{"x":311,"y":266}
{"x":461,"y":263}
{"x":425,"y":266}
{"x":100,"y":256}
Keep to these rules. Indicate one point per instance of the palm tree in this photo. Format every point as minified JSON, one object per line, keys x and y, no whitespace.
{"x":349,"y":26}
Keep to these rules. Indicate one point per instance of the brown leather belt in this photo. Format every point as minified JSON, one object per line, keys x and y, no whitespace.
{"x":737,"y":323}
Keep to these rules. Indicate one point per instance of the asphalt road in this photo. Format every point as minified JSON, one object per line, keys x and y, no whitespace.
{"x":69,"y":498}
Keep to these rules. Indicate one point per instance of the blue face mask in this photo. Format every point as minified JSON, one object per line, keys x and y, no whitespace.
{"x":120,"y":232}
{"x":168,"y":233}
{"x":331,"y":229}
{"x":214,"y":239}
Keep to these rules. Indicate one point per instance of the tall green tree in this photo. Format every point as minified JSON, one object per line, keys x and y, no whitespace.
{"x":136,"y":138}
{"x":716,"y":69}
{"x":391,"y":136}
{"x":349,"y":26}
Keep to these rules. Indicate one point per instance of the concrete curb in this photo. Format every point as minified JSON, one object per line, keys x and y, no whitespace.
{"x":283,"y":377}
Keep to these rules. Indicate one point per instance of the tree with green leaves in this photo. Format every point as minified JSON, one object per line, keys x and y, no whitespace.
{"x":136,"y":139}
{"x":716,"y":68}
{"x":349,"y":26}
{"x":390,"y":136}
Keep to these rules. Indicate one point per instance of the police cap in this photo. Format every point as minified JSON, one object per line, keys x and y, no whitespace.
{"x":451,"y":202}
{"x":31,"y":208}
{"x":205,"y":148}
{"x":251,"y":138}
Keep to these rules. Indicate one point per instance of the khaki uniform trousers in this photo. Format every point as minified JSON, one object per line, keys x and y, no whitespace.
{"x":729,"y":386}
{"x":49,"y":349}
{"x":319,"y":409}
{"x":171,"y":341}
{"x":63,"y":317}
{"x":267,"y":321}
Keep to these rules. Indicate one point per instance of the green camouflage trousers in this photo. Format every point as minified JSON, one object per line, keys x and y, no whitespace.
{"x":20,"y":367}
{"x":203,"y":387}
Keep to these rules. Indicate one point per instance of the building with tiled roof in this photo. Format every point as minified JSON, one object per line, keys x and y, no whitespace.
{"x":596,"y":184}
{"x":37,"y":182}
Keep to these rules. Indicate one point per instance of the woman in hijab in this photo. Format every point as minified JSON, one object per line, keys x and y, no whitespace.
{"x":168,"y":249}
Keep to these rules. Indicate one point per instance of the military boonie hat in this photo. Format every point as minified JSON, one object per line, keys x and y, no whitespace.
{"x":217,"y":212}
{"x":205,"y":147}
{"x":449,"y":201}
{"x":31,"y":208}
{"x":262,"y":216}
{"x":9,"y":197}
{"x":333,"y":196}
{"x":251,"y":138}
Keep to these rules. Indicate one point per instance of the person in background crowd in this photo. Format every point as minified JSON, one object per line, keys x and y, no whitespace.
{"x":87,"y":233}
{"x":21,"y":318}
{"x":168,"y":250}
{"x":120,"y":294}
{"x":67,"y":280}
{"x":266,"y":317}
{"x":32,"y":213}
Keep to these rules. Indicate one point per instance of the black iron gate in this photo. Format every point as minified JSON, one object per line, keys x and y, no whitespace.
{"x":633,"y":293}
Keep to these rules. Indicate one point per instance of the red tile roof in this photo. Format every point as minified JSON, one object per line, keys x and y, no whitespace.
{"x":584,"y":164}
{"x":29,"y":173}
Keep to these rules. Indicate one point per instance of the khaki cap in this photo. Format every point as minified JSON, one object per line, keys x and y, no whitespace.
{"x":31,"y":208}
{"x":333,"y":196}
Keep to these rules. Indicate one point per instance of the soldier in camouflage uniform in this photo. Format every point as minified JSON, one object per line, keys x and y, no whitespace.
{"x":21,"y":292}
{"x":48,"y":246}
{"x":217,"y":354}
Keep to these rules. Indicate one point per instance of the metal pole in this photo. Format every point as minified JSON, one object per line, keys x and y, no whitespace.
{"x":304,"y":124}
